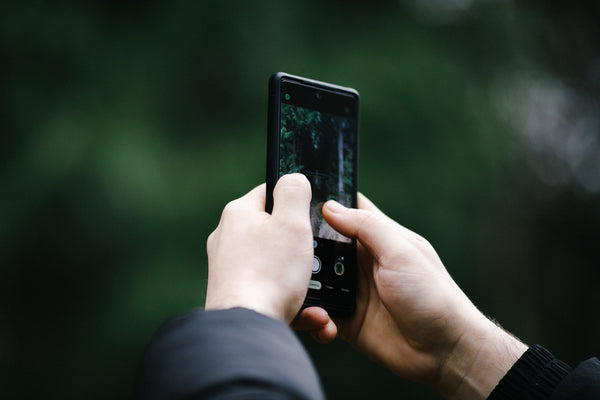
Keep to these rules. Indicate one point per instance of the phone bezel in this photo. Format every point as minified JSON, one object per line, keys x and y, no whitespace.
{"x":335,"y":99}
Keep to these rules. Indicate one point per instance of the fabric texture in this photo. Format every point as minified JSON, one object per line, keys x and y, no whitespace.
{"x":233,"y":354}
{"x":241,"y":354}
{"x":539,"y":375}
{"x":582,"y":383}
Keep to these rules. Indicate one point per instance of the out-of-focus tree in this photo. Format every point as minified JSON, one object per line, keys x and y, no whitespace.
{"x":127,"y":126}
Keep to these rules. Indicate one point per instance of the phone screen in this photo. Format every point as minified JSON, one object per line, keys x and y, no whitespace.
{"x":320,"y":146}
{"x":318,"y":137}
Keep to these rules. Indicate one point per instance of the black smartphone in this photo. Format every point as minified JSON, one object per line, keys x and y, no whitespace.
{"x":313,"y":130}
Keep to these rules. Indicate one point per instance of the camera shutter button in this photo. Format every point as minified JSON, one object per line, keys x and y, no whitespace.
{"x":316,"y":267}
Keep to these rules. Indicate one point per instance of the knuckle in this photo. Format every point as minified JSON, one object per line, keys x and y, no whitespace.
{"x":230,"y":208}
{"x":421,"y":243}
{"x":211,"y":239}
{"x":417,"y":247}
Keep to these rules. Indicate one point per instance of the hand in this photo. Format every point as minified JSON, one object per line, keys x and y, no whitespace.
{"x":410,"y":315}
{"x":263,"y":261}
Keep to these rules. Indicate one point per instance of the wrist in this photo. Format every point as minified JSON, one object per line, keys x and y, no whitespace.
{"x":264,"y":300}
{"x":478,"y":361}
{"x":252,"y":302}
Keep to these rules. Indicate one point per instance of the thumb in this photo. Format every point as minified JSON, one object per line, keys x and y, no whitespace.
{"x":291,"y":198}
{"x":371,"y":227}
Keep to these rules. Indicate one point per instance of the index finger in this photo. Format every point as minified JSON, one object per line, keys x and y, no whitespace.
{"x":365,"y":204}
{"x":255,"y":199}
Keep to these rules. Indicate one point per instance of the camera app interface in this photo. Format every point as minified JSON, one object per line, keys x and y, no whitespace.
{"x":322,"y":146}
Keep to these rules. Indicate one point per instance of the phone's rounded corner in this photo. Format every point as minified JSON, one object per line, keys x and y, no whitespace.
{"x":277,"y":77}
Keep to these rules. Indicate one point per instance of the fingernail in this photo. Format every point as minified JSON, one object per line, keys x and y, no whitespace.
{"x":334,"y":207}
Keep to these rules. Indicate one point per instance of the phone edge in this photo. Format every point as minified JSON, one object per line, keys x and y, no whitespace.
{"x":272,"y":173}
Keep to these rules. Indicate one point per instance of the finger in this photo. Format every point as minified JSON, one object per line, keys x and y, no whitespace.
{"x":317,"y":322}
{"x":372,"y":228}
{"x":325,"y":334}
{"x":255,"y":199}
{"x":291,"y":197}
{"x":365,"y":204}
{"x":310,"y":318}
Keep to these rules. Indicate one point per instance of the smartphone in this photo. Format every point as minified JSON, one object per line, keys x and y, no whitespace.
{"x":313,"y":130}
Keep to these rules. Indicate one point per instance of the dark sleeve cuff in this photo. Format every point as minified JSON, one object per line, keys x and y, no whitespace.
{"x":235,"y":353}
{"x":582,"y":383}
{"x":534,"y":376}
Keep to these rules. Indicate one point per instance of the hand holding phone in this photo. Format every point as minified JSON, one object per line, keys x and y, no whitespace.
{"x":313,"y":130}
{"x":230,"y":247}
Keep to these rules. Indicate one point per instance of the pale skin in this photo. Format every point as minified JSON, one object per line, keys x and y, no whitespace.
{"x":411,"y":316}
{"x":259,"y":260}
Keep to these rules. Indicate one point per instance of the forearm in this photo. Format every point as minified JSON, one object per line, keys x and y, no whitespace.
{"x":479,"y":360}
{"x":207,"y":354}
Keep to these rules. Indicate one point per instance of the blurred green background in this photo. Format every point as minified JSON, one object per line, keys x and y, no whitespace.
{"x":128,"y":125}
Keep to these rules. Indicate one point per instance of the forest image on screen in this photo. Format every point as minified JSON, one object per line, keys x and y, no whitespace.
{"x":320,"y":146}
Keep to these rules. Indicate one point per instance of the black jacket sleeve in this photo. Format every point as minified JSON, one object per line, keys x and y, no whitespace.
{"x":539,"y":375}
{"x":233,"y":354}
{"x":582,"y":383}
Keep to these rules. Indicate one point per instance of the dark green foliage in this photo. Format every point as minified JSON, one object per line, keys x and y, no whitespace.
{"x":127,"y":127}
{"x":310,"y":143}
